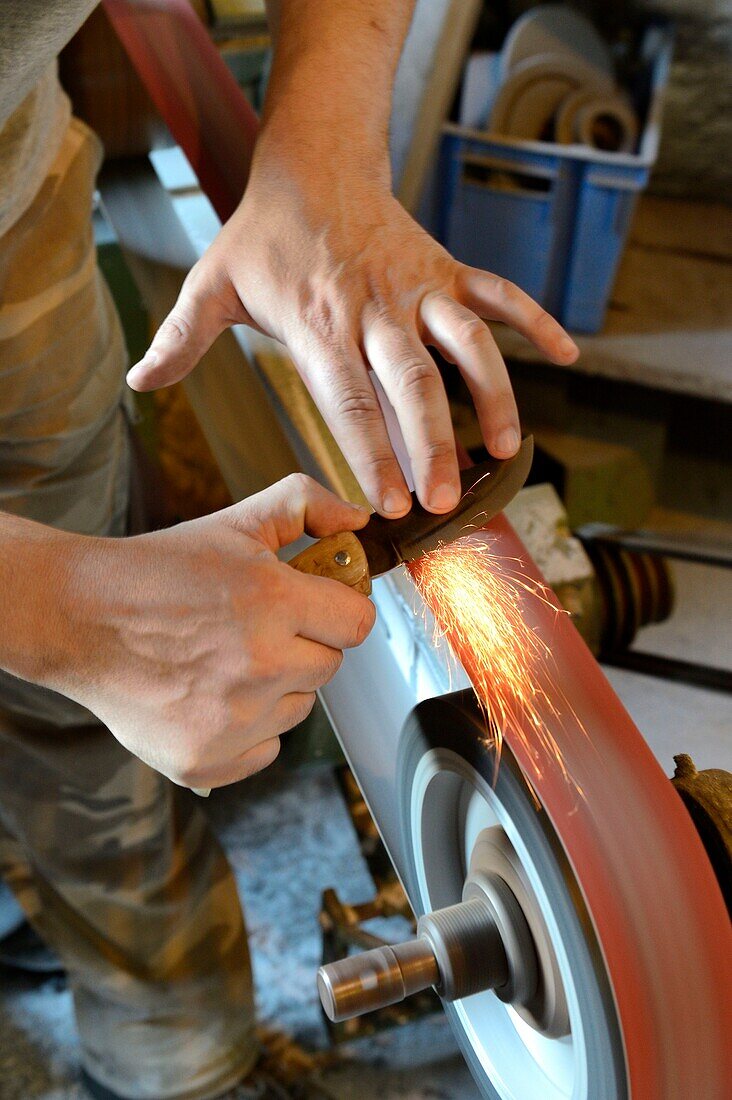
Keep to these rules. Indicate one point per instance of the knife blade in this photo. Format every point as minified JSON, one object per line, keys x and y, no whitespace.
{"x":383,"y":544}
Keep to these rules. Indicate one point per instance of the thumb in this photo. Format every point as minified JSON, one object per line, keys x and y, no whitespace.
{"x":186,"y":334}
{"x":294,"y":506}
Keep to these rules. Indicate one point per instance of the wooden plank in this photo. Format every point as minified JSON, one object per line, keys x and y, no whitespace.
{"x":235,"y":413}
{"x":597,"y":481}
{"x":428,"y":75}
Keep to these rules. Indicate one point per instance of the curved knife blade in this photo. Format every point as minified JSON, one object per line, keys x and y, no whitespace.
{"x":487,"y":489}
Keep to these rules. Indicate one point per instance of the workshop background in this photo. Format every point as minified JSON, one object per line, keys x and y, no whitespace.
{"x":633,"y":437}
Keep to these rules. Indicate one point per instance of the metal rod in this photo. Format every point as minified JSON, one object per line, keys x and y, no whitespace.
{"x":682,"y":546}
{"x":670,"y":668}
{"x":377,"y":978}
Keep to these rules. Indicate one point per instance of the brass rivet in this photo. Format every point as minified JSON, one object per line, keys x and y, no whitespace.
{"x":342,"y":558}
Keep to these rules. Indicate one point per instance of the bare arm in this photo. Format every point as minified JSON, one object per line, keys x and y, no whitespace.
{"x":321,"y":256}
{"x":332,"y":78}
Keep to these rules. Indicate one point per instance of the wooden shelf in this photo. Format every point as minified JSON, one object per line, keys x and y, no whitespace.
{"x":669,"y":324}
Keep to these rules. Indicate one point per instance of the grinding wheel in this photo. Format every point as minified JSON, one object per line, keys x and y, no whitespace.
{"x":629,"y":928}
{"x":641,"y":870}
{"x":567,"y":1041}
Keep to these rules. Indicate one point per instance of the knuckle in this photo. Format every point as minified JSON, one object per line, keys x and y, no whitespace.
{"x":256,"y":759}
{"x":471,"y":330}
{"x":255,"y":667}
{"x":189,"y":766}
{"x":541,"y":321}
{"x":305,"y":707}
{"x":329,"y":668}
{"x":299,"y":485}
{"x":438,"y":450}
{"x":416,"y":378}
{"x":175,"y":327}
{"x":506,"y":292}
{"x":379,"y":467}
{"x":356,"y":402}
{"x":274,"y":587}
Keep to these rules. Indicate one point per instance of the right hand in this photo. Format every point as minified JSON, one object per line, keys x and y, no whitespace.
{"x":321,"y":256}
{"x":197,"y":647}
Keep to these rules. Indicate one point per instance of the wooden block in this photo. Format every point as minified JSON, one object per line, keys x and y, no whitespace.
{"x":645,"y":436}
{"x":540,"y":520}
{"x":597,"y":481}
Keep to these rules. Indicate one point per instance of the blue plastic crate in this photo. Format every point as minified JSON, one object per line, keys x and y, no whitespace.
{"x":552,"y":218}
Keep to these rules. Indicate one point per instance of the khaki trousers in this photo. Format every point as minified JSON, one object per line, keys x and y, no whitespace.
{"x":115,"y":866}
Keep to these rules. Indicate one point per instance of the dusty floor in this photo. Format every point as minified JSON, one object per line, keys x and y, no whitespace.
{"x":280,"y":813}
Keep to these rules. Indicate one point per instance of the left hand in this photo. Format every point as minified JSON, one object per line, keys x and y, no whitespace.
{"x":335,"y":268}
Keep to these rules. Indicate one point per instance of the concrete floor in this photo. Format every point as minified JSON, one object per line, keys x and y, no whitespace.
{"x":262,"y":825}
{"x":280,"y":813}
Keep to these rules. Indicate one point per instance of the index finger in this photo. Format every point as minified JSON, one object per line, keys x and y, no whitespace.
{"x":330,"y":612}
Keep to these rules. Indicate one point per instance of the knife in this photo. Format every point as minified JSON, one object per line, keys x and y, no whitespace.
{"x":383,"y":544}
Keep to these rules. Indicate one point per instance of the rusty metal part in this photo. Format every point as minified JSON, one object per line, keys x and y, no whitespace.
{"x":707,"y":796}
{"x":635,"y":590}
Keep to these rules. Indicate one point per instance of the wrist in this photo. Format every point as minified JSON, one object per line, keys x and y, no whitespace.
{"x":43,"y":625}
{"x":328,"y":101}
{"x":325,"y":149}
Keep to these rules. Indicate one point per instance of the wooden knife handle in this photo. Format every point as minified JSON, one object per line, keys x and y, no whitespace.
{"x":340,"y":557}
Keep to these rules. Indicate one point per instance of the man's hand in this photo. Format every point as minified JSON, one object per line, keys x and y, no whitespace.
{"x":322,"y":257}
{"x":196,"y":646}
{"x":347,"y":280}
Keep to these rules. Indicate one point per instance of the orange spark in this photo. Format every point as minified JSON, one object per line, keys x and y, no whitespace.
{"x":479,"y":601}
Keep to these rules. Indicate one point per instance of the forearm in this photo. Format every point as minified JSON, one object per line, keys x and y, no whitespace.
{"x":36,"y":572}
{"x":332,"y":77}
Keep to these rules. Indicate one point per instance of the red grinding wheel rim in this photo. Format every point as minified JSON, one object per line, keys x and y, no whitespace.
{"x":648,"y":885}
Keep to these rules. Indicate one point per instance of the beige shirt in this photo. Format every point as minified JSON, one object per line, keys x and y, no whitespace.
{"x":34,"y":112}
{"x":63,"y":436}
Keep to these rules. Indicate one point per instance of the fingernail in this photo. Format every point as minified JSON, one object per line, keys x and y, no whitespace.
{"x":359,"y":508}
{"x":394,"y":502}
{"x":567,"y":346}
{"x":508,"y":441}
{"x":148,"y":360}
{"x":443,"y":497}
